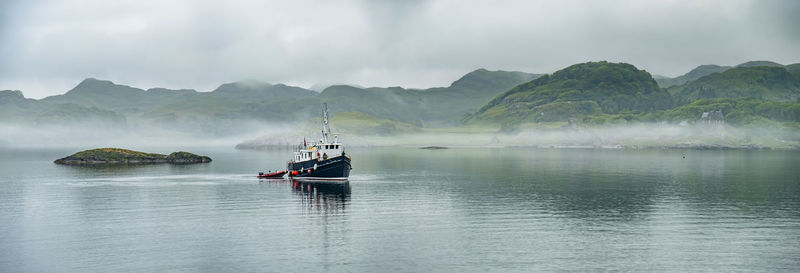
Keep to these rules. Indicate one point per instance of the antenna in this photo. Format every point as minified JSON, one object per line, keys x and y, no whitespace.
{"x":326,"y":130}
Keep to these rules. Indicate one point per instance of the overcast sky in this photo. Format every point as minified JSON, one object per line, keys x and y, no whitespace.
{"x":47,"y":47}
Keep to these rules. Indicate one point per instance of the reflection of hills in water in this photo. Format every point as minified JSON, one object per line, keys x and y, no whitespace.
{"x":323,"y":195}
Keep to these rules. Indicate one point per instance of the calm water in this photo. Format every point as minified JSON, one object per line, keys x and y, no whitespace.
{"x":407,"y":210}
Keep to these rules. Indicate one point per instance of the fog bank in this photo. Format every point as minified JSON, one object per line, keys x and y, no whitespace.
{"x":266,"y":135}
{"x":81,"y":134}
{"x":618,"y":136}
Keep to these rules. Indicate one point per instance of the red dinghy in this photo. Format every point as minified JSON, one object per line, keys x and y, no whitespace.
{"x":278,"y":174}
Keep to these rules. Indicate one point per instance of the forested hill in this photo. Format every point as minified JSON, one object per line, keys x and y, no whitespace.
{"x":582,"y":89}
{"x":696,"y":73}
{"x":762,"y":93}
{"x":773,"y":83}
{"x":793,"y":68}
{"x":708,"y":69}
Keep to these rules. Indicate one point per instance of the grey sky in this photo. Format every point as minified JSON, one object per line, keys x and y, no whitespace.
{"x":46,"y":47}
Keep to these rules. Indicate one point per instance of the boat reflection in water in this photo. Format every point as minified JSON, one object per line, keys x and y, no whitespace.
{"x":326,"y":196}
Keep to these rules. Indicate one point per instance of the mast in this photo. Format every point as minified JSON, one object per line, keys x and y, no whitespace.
{"x":326,"y":130}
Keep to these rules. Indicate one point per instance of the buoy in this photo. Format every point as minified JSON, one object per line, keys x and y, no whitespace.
{"x":294,"y":172}
{"x":309,"y":170}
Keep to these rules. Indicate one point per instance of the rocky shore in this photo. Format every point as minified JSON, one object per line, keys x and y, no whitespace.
{"x":123,"y":156}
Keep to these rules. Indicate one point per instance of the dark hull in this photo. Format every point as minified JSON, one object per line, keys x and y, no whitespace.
{"x":335,"y":167}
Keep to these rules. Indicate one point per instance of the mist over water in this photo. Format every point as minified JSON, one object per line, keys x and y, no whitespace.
{"x":660,"y":135}
{"x":261,"y":134}
{"x":81,"y":134}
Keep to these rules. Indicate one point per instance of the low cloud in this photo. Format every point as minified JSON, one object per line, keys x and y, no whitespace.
{"x":48,"y":46}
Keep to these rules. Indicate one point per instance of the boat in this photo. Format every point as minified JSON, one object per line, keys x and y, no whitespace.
{"x":277,"y":174}
{"x":324,"y":159}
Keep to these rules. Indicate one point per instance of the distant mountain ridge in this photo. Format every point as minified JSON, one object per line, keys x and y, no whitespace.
{"x":708,"y":69}
{"x":592,"y":93}
{"x":694,"y":74}
{"x":254,"y":100}
{"x":794,"y":68}
{"x":120,"y":98}
{"x":759,"y":63}
{"x":252,"y":89}
{"x":440,"y":104}
{"x":773,"y":83}
{"x":13,"y":105}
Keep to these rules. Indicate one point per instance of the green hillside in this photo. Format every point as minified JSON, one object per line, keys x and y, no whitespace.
{"x":9,"y":97}
{"x":74,"y":114}
{"x":428,"y":107}
{"x":363,"y":124}
{"x":593,"y":93}
{"x":119,"y":98}
{"x":576,"y":91}
{"x":246,"y":100}
{"x":255,"y":100}
{"x":704,"y":70}
{"x":395,"y":102}
{"x":233,"y":105}
{"x":738,"y":111}
{"x":762,"y":82}
{"x":793,"y":68}
{"x":239,"y":100}
{"x":252,"y":90}
{"x":14,"y":106}
{"x":694,"y":74}
{"x":760,"y":63}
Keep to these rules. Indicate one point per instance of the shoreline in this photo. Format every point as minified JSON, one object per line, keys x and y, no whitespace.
{"x":708,"y":147}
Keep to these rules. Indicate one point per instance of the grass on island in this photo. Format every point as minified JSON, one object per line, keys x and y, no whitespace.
{"x":116,"y":154}
{"x":182,"y":155}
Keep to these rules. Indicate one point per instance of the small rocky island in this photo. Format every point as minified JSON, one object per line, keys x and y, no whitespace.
{"x":123,"y":156}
